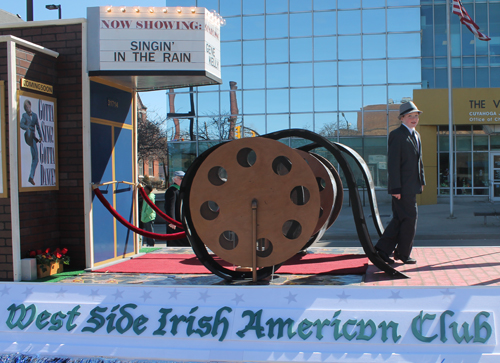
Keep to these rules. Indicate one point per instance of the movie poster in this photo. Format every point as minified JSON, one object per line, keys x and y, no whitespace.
{"x":3,"y":157}
{"x":37,"y":142}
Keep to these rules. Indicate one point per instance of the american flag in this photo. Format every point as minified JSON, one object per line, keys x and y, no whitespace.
{"x":465,"y":19}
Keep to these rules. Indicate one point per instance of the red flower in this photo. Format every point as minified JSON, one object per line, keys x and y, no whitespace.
{"x":64,"y":251}
{"x":47,"y":250}
{"x":38,"y":252}
{"x":58,"y":255}
{"x":32,"y":254}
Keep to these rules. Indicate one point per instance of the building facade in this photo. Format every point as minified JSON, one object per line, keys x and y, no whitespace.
{"x":341,"y":69}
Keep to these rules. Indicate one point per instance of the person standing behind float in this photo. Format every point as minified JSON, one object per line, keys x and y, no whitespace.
{"x":173,"y":208}
{"x":148,"y":216}
{"x":406,"y":180}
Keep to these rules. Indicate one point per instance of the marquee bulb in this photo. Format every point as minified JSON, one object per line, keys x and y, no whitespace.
{"x":151,"y":10}
{"x":179,"y":10}
{"x":108,"y":9}
{"x":165,"y":11}
{"x":193,"y":10}
{"x":123,"y":10}
{"x":136,"y":10}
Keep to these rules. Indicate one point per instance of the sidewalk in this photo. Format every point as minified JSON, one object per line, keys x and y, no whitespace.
{"x":435,"y":227}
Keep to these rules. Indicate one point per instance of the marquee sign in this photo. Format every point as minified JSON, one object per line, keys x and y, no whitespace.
{"x":147,"y":39}
{"x":243,"y":323}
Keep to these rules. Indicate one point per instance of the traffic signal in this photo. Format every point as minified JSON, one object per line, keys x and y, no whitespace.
{"x":238,"y":132}
{"x":253,"y":133}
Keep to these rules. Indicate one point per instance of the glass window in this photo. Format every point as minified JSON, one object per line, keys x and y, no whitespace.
{"x":253,"y":77}
{"x":300,"y":5}
{"x":374,"y":46}
{"x":301,"y":75}
{"x":375,"y":123}
{"x":325,"y":23}
{"x":427,"y":31}
{"x":481,"y":19}
{"x":495,"y":142}
{"x":374,"y":72}
{"x":349,"y":98}
{"x":255,"y":123}
{"x":300,"y":24}
{"x":231,"y":52}
{"x":253,"y":27}
{"x":325,"y":73}
{"x":324,"y":4}
{"x":326,"y":124}
{"x":349,"y":73}
{"x":276,"y":6}
{"x":483,"y":78}
{"x":277,"y":50}
{"x":398,"y":93}
{"x":427,"y":78}
{"x":494,"y":30}
{"x":325,"y":99}
{"x":230,"y":74}
{"x":277,"y":123}
{"x":226,"y":106}
{"x":402,"y":2}
{"x":277,"y":26}
{"x":325,"y":48}
{"x":302,"y":121}
{"x":301,"y":100}
{"x":480,"y":143}
{"x":277,"y":101}
{"x":254,"y":102}
{"x":374,"y":95}
{"x":277,"y":75}
{"x":374,"y":21}
{"x":349,"y":22}
{"x":464,"y":173}
{"x":440,"y":30}
{"x":232,"y":30}
{"x":350,"y":47}
{"x":208,"y":104}
{"x":230,"y":7}
{"x":348,"y":4}
{"x":464,"y":143}
{"x":375,"y":155}
{"x":495,"y":76}
{"x":253,"y":51}
{"x":403,"y":19}
{"x":209,"y":4}
{"x":404,"y":71}
{"x":469,"y":78}
{"x":253,"y":7}
{"x":411,"y":46}
{"x":349,"y":124}
{"x":301,"y":50}
{"x":456,"y":77}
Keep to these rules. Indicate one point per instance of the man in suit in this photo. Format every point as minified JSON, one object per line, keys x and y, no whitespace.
{"x":173,"y":208}
{"x":29,"y":123}
{"x":406,"y":180}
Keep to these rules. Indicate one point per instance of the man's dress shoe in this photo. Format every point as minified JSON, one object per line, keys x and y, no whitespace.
{"x":384,"y":256}
{"x":409,"y":260}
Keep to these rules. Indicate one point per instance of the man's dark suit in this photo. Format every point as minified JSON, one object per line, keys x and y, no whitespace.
{"x":406,"y":177}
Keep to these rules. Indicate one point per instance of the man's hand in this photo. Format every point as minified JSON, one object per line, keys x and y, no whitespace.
{"x":397,"y":196}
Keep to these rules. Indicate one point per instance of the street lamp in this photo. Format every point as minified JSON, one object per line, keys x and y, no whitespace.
{"x":54,"y":7}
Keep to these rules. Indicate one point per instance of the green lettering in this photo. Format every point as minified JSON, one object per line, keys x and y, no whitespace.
{"x":111,"y":319}
{"x":344,"y":329}
{"x":204,"y":323}
{"x":125,"y":316}
{"x":442,"y":324}
{"x":23,"y":310}
{"x":362,"y":327}
{"x":253,"y":324}
{"x":175,"y":323}
{"x":304,"y":325}
{"x":319,"y":327}
{"x":141,"y":320}
{"x":484,"y":325}
{"x":163,"y":322}
{"x":218,"y":320}
{"x":385,"y":327}
{"x":417,"y":332}
{"x":281,"y":327}
{"x":44,"y":315}
{"x":190,"y":322}
{"x":57,"y":321}
{"x":466,"y":335}
{"x":96,"y":318}
{"x":71,"y":317}
{"x":336,"y":325}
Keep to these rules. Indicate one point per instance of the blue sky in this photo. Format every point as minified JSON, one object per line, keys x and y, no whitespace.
{"x":156,"y":100}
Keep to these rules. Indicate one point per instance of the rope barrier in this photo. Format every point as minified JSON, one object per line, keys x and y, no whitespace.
{"x":161,"y":237}
{"x":158,"y":210}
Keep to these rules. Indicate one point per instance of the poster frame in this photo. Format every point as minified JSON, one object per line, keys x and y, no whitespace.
{"x":3,"y":157}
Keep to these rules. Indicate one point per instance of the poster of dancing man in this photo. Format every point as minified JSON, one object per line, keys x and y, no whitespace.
{"x":37,"y":142}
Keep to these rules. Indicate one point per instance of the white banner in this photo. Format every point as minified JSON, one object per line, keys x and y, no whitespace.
{"x":251,"y":323}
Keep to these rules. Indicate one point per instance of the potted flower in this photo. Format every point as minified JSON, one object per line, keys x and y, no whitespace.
{"x":50,"y":263}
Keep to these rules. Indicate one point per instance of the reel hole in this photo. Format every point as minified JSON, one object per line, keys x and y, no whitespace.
{"x":300,"y":195}
{"x":282,"y":165}
{"x":246,"y":157}
{"x":264,"y":247}
{"x":209,"y":210}
{"x":217,"y":175}
{"x":291,"y":229}
{"x":321,"y":183}
{"x":228,"y":240}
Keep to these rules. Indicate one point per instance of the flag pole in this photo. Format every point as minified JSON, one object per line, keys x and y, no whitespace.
{"x":450,"y":108}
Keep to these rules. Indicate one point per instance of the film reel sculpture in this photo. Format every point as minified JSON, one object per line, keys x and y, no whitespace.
{"x":256,"y":202}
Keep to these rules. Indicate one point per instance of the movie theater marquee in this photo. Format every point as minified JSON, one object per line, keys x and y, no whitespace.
{"x":147,"y":38}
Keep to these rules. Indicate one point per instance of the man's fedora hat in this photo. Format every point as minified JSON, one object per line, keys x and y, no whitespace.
{"x":408,"y":107}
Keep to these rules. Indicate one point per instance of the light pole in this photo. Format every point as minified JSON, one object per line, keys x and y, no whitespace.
{"x":54,"y":7}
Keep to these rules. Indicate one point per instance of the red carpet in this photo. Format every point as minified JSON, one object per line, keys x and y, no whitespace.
{"x":188,"y":264}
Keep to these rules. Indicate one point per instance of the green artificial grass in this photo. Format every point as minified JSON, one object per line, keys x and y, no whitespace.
{"x":60,"y":276}
{"x":149,"y":249}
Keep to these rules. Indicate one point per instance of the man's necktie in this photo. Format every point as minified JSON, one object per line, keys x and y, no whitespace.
{"x":414,"y":138}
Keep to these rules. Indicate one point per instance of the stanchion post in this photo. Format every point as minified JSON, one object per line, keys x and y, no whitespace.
{"x":254,"y":240}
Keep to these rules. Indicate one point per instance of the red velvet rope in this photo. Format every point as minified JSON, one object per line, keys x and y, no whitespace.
{"x":158,"y":210}
{"x":161,"y":237}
